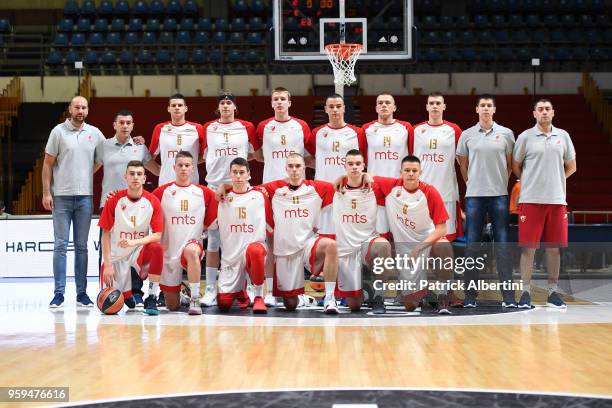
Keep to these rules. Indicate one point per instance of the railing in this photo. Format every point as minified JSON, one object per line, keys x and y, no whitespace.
{"x":31,"y":191}
{"x":583,"y":215}
{"x":10,"y":99}
{"x":598,"y":102}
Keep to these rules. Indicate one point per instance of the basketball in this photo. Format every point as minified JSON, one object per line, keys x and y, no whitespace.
{"x":110,"y":301}
{"x":317,"y":283}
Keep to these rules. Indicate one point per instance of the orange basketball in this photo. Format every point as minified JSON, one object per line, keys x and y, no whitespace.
{"x":317,"y":283}
{"x":110,"y":301}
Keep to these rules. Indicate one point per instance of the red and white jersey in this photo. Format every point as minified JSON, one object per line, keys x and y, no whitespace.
{"x":278,"y":139}
{"x":359,"y":216}
{"x":168,"y":140}
{"x":297,"y":212}
{"x":127,"y":218}
{"x":435,"y":146}
{"x":187,"y":211}
{"x":387,"y":146}
{"x":243,"y":218}
{"x":412,"y":215}
{"x":223,"y":142}
{"x":329,"y":147}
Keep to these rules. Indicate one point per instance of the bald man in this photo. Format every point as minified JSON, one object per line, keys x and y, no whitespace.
{"x":67,"y":179}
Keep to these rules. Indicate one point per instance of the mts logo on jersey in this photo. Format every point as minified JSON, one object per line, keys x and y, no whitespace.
{"x":355,"y":218}
{"x":432,"y":157}
{"x":184,"y":219}
{"x":226,"y":151}
{"x":297,"y":212}
{"x":244,"y":227}
{"x":406,"y":221}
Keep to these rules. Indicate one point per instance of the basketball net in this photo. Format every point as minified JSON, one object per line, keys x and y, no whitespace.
{"x":343,"y":58}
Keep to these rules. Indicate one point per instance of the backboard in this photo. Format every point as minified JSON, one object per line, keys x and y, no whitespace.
{"x":302,"y":28}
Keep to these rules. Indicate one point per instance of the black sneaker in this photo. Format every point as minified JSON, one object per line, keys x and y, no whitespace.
{"x":138,"y":300}
{"x":150,"y":306}
{"x":554,"y":300}
{"x":161,"y":300}
{"x":443,"y":304}
{"x":57,"y":301}
{"x":83,"y":300}
{"x":378,"y":305}
{"x":130,"y":302}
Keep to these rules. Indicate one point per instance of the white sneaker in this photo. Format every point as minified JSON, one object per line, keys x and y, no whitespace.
{"x":270,"y":300}
{"x":331,"y":307}
{"x":210,"y":297}
{"x":194,"y":307}
{"x":306,"y":301}
{"x":251,"y":293}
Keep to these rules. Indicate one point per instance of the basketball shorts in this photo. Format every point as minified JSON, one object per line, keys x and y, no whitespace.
{"x":232,"y":277}
{"x":349,"y":279}
{"x":289,"y":270}
{"x":414,"y":270}
{"x":454,"y":227}
{"x":546,"y":223}
{"x":172,"y":274}
{"x":123,"y":272}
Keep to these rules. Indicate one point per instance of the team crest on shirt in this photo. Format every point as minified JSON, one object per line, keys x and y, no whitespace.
{"x":497,"y":137}
{"x":172,"y":193}
{"x":169,"y":128}
{"x":230,"y":199}
{"x":89,"y":137}
{"x":398,"y":194}
{"x":558,"y":142}
{"x":423,"y":130}
{"x":123,"y":207}
{"x":273,"y":128}
{"x":324,"y":135}
{"x":215,"y":127}
{"x":523,"y":218}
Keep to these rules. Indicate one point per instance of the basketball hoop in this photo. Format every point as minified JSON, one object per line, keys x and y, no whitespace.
{"x":343,"y":58}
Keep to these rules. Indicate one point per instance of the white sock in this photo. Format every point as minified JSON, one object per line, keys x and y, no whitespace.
{"x":211,"y":276}
{"x":552,"y":287}
{"x":329,"y":290}
{"x":248,"y":279}
{"x":527,"y":287}
{"x":259,"y":290}
{"x":195,"y":290}
{"x":153,"y":289}
{"x":269,"y":284}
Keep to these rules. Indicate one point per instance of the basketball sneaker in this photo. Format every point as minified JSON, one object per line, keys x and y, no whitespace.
{"x":243,"y":299}
{"x":210,"y":297}
{"x":130,"y":303}
{"x":259,"y":306}
{"x":469,"y":302}
{"x":194,"y":307}
{"x":150,"y":306}
{"x":331,"y":307}
{"x":508,"y":300}
{"x":83,"y":300}
{"x":57,"y":301}
{"x":270,"y":300}
{"x":161,"y":300}
{"x":554,"y":300}
{"x":453,"y":300}
{"x":443,"y":304}
{"x":138,"y":300}
{"x":525,"y":301}
{"x":378,"y":305}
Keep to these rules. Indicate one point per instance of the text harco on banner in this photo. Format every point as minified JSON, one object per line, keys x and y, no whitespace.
{"x":26,"y":248}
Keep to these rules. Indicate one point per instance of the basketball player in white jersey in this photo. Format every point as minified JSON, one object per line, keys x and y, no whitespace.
{"x":188,"y":209}
{"x":387,"y":139}
{"x":132,"y":226}
{"x":225,"y":139}
{"x":174,"y":136}
{"x":277,"y":137}
{"x":434,"y":143}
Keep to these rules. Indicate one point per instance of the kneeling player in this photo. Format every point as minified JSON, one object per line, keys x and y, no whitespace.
{"x":360,"y":219}
{"x":417,"y":219}
{"x":187,"y":210}
{"x":127,"y":220}
{"x":244,"y":218}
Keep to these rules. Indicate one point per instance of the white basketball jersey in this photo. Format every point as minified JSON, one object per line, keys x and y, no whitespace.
{"x":435,"y":146}
{"x":387,"y":146}
{"x":168,"y":140}
{"x":223,"y":142}
{"x":126,"y":218}
{"x":278,"y":139}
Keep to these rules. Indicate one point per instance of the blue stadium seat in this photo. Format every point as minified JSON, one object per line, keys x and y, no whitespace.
{"x":198,"y":56}
{"x":215,"y":57}
{"x":174,"y":8}
{"x":71,"y":57}
{"x":240,"y":7}
{"x":135,"y":24}
{"x":502,"y":36}
{"x":463,"y":22}
{"x":581,"y":53}
{"x":153,"y":24}
{"x":429,"y":37}
{"x":585,"y":21}
{"x":201,"y":37}
{"x":550,"y":21}
{"x":237,"y":24}
{"x":54,"y":58}
{"x":466,"y":37}
{"x":562,"y":54}
{"x":469,"y":54}
{"x":506,"y":54}
{"x":520,"y":37}
{"x":157,"y":8}
{"x":221,"y":24}
{"x":218,"y":37}
{"x":395,"y":23}
{"x":235,"y":56}
{"x":144,"y":57}
{"x":83,"y":24}
{"x":91,"y":57}
{"x":188,"y":24}
{"x":108,"y":58}
{"x":252,"y":57}
{"x":602,"y":20}
{"x":576,"y":36}
{"x":100,"y":24}
{"x":96,"y":39}
{"x":181,"y":57}
{"x":190,"y":7}
{"x":183,"y":37}
{"x":163,"y":57}
{"x":481,"y":21}
{"x":256,"y":24}
{"x":65,"y":25}
{"x":258,"y":7}
{"x":598,"y":54}
{"x":204,"y":24}
{"x":170,"y":24}
{"x":105,"y":8}
{"x":131,"y":38}
{"x":140,"y":8}
{"x":498,"y":21}
{"x":236,"y":38}
{"x":608,"y":36}
{"x":149,"y":38}
{"x":61,"y":39}
{"x":88,"y":8}
{"x":292,"y":25}
{"x":254,"y":37}
{"x":122,"y":8}
{"x":113,"y":38}
{"x":594,"y":37}
{"x":117,"y":24}
{"x":125,"y":57}
{"x":557,"y":36}
{"x":447,"y":37}
{"x":78,"y":39}
{"x":567,"y":21}
{"x":539,"y":36}
{"x":71,"y":8}
{"x":166,"y":37}
{"x":532,"y":21}
{"x":516,"y":21}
